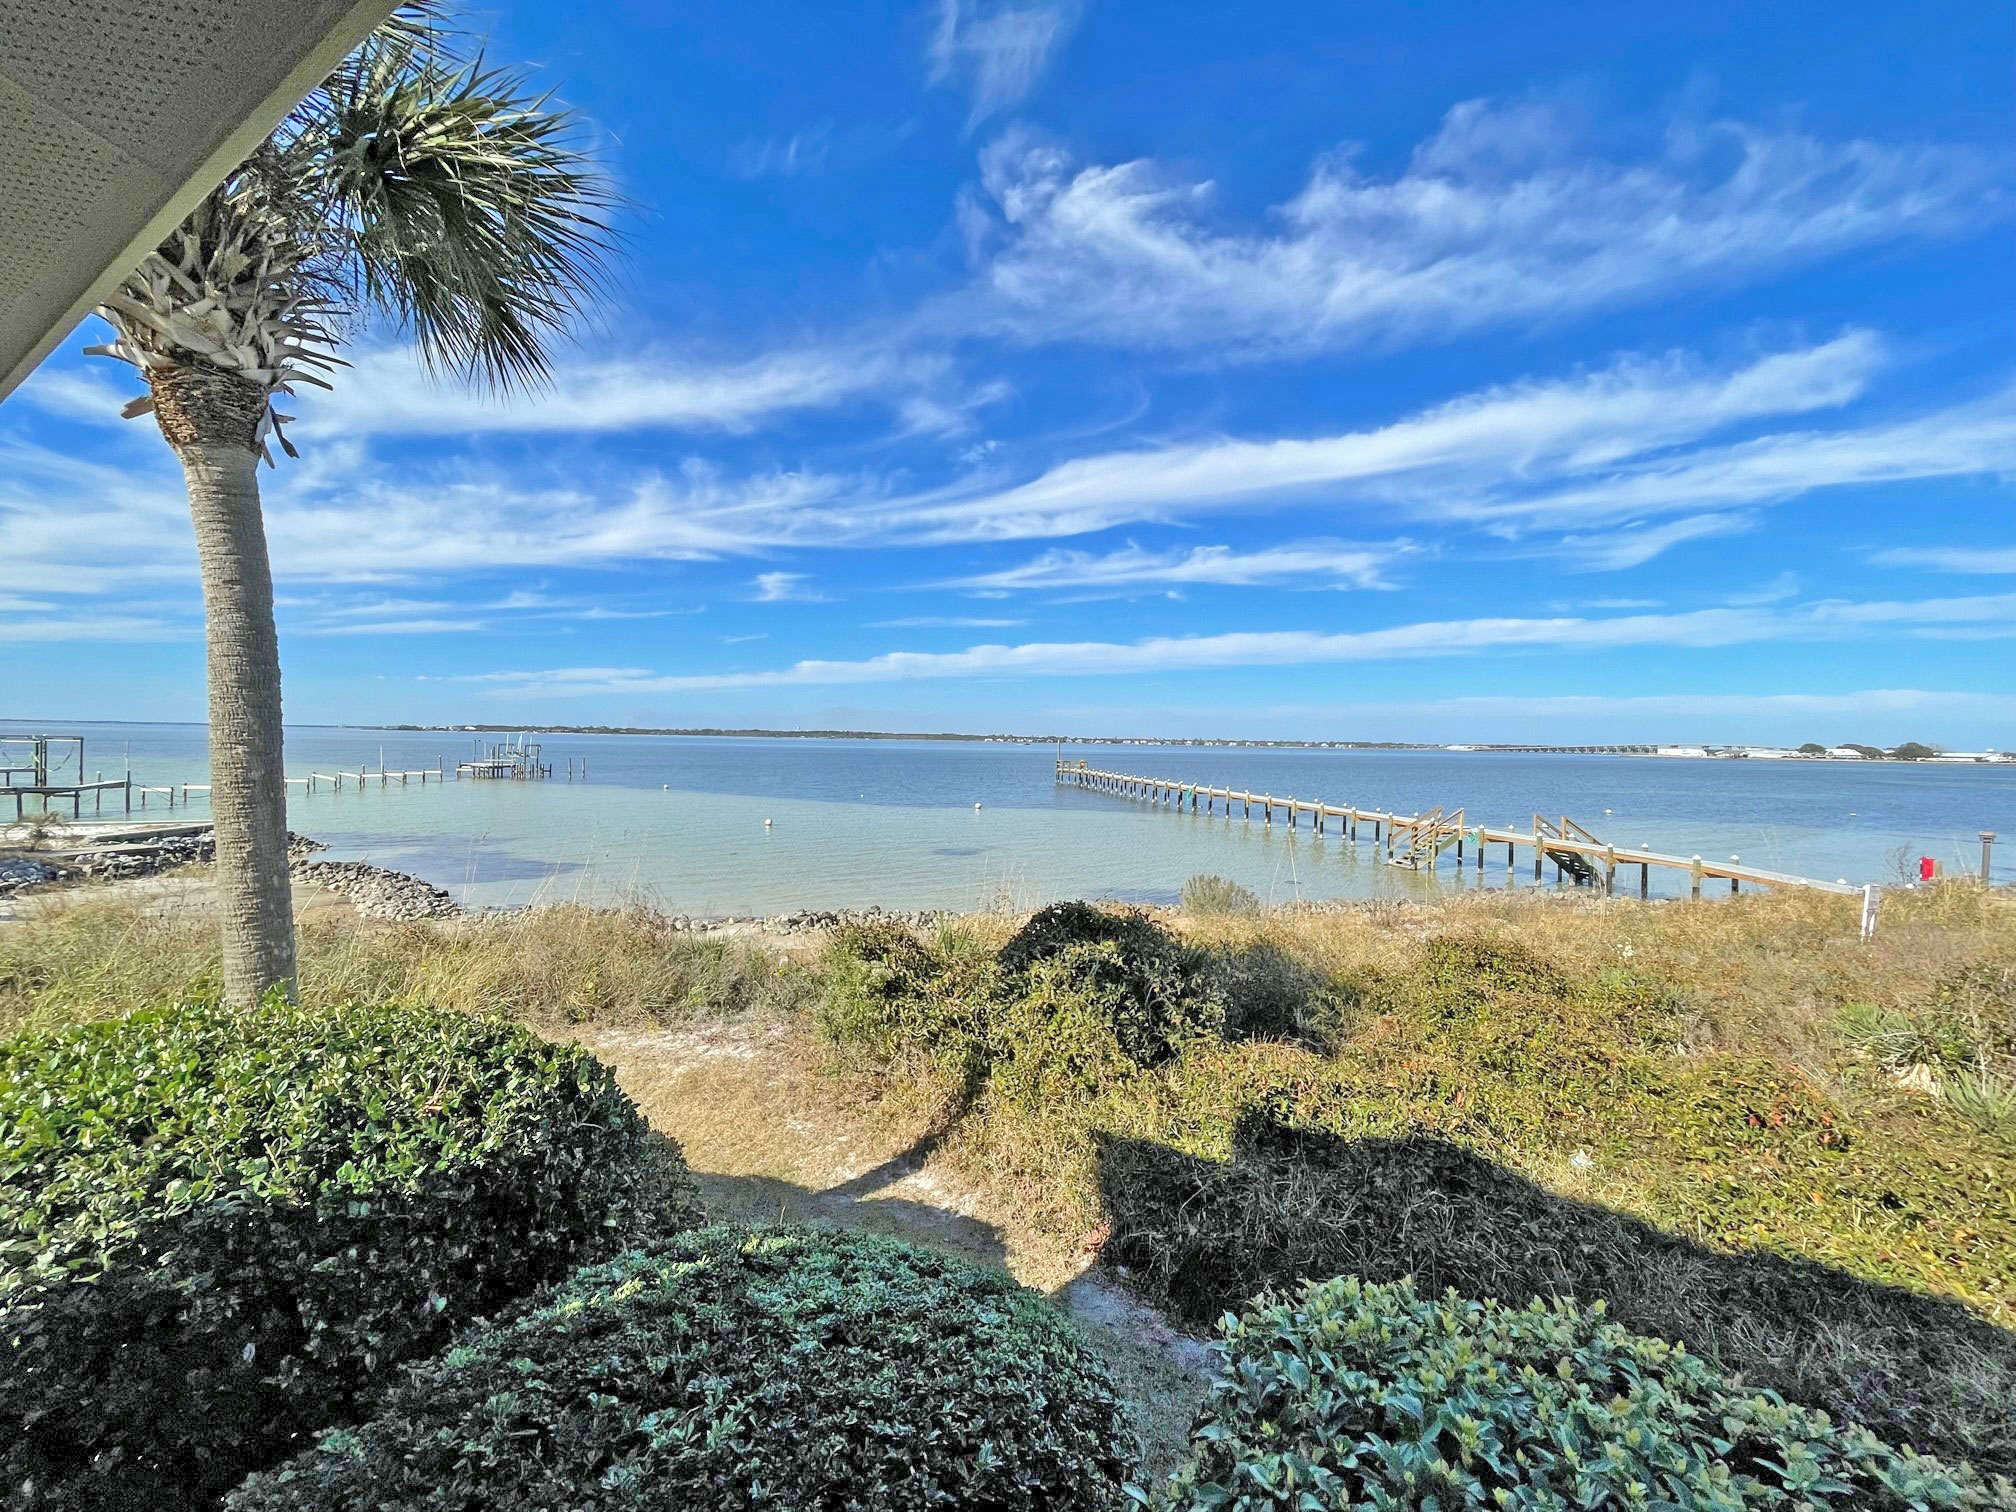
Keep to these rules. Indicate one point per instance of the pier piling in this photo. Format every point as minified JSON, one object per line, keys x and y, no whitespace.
{"x":1576,"y":854}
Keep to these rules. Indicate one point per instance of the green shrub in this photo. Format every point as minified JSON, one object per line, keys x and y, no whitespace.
{"x":785,"y":1368}
{"x":1209,"y":895}
{"x":887,"y":996}
{"x":1359,"y":1395}
{"x":218,"y":1229}
{"x":1161,"y":992}
{"x":1073,"y":1028}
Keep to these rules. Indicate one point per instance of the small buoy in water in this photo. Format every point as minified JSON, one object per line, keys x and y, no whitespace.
{"x":976,"y":808}
{"x":1606,"y":811}
{"x":667,"y":786}
{"x":1735,"y":858}
{"x":767,"y":823}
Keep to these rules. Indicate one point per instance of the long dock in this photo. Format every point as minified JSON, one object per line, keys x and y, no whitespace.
{"x":39,"y":768}
{"x":1419,"y":841}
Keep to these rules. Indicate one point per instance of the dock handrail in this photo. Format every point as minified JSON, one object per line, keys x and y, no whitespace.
{"x":1570,"y":846}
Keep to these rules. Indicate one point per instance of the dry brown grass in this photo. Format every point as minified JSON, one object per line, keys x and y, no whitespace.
{"x":107,"y":954}
{"x":1767,"y":973}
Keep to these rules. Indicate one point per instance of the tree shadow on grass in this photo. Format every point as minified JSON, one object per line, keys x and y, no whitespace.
{"x":1295,"y":1204}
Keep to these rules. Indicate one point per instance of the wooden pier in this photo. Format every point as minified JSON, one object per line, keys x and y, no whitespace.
{"x":514,"y":760}
{"x":37,"y":766}
{"x":1419,"y":841}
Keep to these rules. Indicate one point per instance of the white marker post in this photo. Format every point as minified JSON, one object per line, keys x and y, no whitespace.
{"x":1868,"y":911}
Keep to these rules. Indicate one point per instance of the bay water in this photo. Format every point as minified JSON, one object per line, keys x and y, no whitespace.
{"x":680,"y":822}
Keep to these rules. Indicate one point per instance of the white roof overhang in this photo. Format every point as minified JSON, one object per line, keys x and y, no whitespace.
{"x":117,"y":117}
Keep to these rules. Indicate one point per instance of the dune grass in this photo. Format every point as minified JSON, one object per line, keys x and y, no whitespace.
{"x":551,"y":967}
{"x":1736,"y":1123}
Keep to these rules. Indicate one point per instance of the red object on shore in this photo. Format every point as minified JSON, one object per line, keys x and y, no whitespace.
{"x":1926,"y":868}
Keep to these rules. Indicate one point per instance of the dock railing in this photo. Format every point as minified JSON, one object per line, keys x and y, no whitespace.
{"x":1574,"y":851}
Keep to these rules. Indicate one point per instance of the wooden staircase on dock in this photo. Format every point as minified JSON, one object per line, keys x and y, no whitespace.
{"x":1572,"y":863}
{"x":1428,"y":835}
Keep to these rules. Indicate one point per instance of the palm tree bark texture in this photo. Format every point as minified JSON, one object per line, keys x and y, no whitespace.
{"x":212,"y":418}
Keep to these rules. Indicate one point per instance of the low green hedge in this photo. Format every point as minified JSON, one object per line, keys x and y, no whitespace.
{"x":218,"y":1229}
{"x":787,"y":1368}
{"x":1361,"y":1395}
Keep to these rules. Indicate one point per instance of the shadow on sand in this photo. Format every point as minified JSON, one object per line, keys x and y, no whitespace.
{"x":1295,"y":1204}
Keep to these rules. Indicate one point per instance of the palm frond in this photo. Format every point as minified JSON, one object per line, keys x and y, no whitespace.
{"x":415,"y":183}
{"x":462,"y":207}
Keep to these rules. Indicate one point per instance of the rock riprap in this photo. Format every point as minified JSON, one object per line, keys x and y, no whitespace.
{"x":377,"y":892}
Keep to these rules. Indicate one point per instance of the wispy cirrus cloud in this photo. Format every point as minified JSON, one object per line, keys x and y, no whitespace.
{"x":997,"y":50}
{"x":1635,"y":545}
{"x":1605,"y":467}
{"x":1316,"y":563}
{"x":1982,"y":616}
{"x":783,"y":157}
{"x":1477,"y":456}
{"x":386,"y":392}
{"x":785,"y":588}
{"x":1508,"y":213}
{"x":1984,"y":561}
{"x":945,"y":622}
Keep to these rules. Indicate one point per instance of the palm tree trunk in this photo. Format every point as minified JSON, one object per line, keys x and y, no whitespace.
{"x":211,"y":420}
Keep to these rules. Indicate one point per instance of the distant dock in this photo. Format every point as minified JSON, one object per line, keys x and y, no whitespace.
{"x":1418,"y":842}
{"x":50,"y":771}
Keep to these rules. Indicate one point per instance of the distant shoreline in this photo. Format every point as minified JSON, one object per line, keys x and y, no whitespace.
{"x":1587,"y":748}
{"x":1665,"y":751}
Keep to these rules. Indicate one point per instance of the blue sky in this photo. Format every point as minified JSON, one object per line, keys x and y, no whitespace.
{"x":1453,"y":372}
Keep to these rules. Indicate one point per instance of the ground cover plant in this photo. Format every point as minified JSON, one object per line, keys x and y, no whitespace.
{"x":1349,"y":1394}
{"x":1653,"y":1107}
{"x":220,"y":1229}
{"x":787,"y":1368}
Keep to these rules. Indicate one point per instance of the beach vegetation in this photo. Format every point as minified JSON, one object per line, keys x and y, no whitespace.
{"x":559,"y":968}
{"x":1664,"y":1110}
{"x":1739,"y":1127}
{"x":1206,"y":894}
{"x":719,"y":1368}
{"x":1349,"y":1394}
{"x":222,"y":1228}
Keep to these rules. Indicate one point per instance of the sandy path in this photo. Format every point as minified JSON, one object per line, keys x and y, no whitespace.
{"x":767,"y":1143}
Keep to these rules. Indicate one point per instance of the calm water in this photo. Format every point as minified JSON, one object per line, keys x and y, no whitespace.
{"x":680,"y":822}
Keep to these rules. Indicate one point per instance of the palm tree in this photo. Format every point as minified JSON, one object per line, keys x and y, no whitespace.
{"x":416,"y":188}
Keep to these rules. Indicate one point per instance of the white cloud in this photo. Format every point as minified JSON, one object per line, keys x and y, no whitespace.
{"x":1475,"y":456}
{"x":1986,"y":615}
{"x":1635,"y":545}
{"x":1507,"y":214}
{"x":784,"y":587}
{"x":1599,"y":456}
{"x":71,"y":626}
{"x":397,"y":627}
{"x":1965,"y":440}
{"x":800,"y":152}
{"x":1782,"y":587}
{"x":1309,"y":563}
{"x":1980,"y":560}
{"x":385,"y":392}
{"x":945,"y":622}
{"x":996,"y":51}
